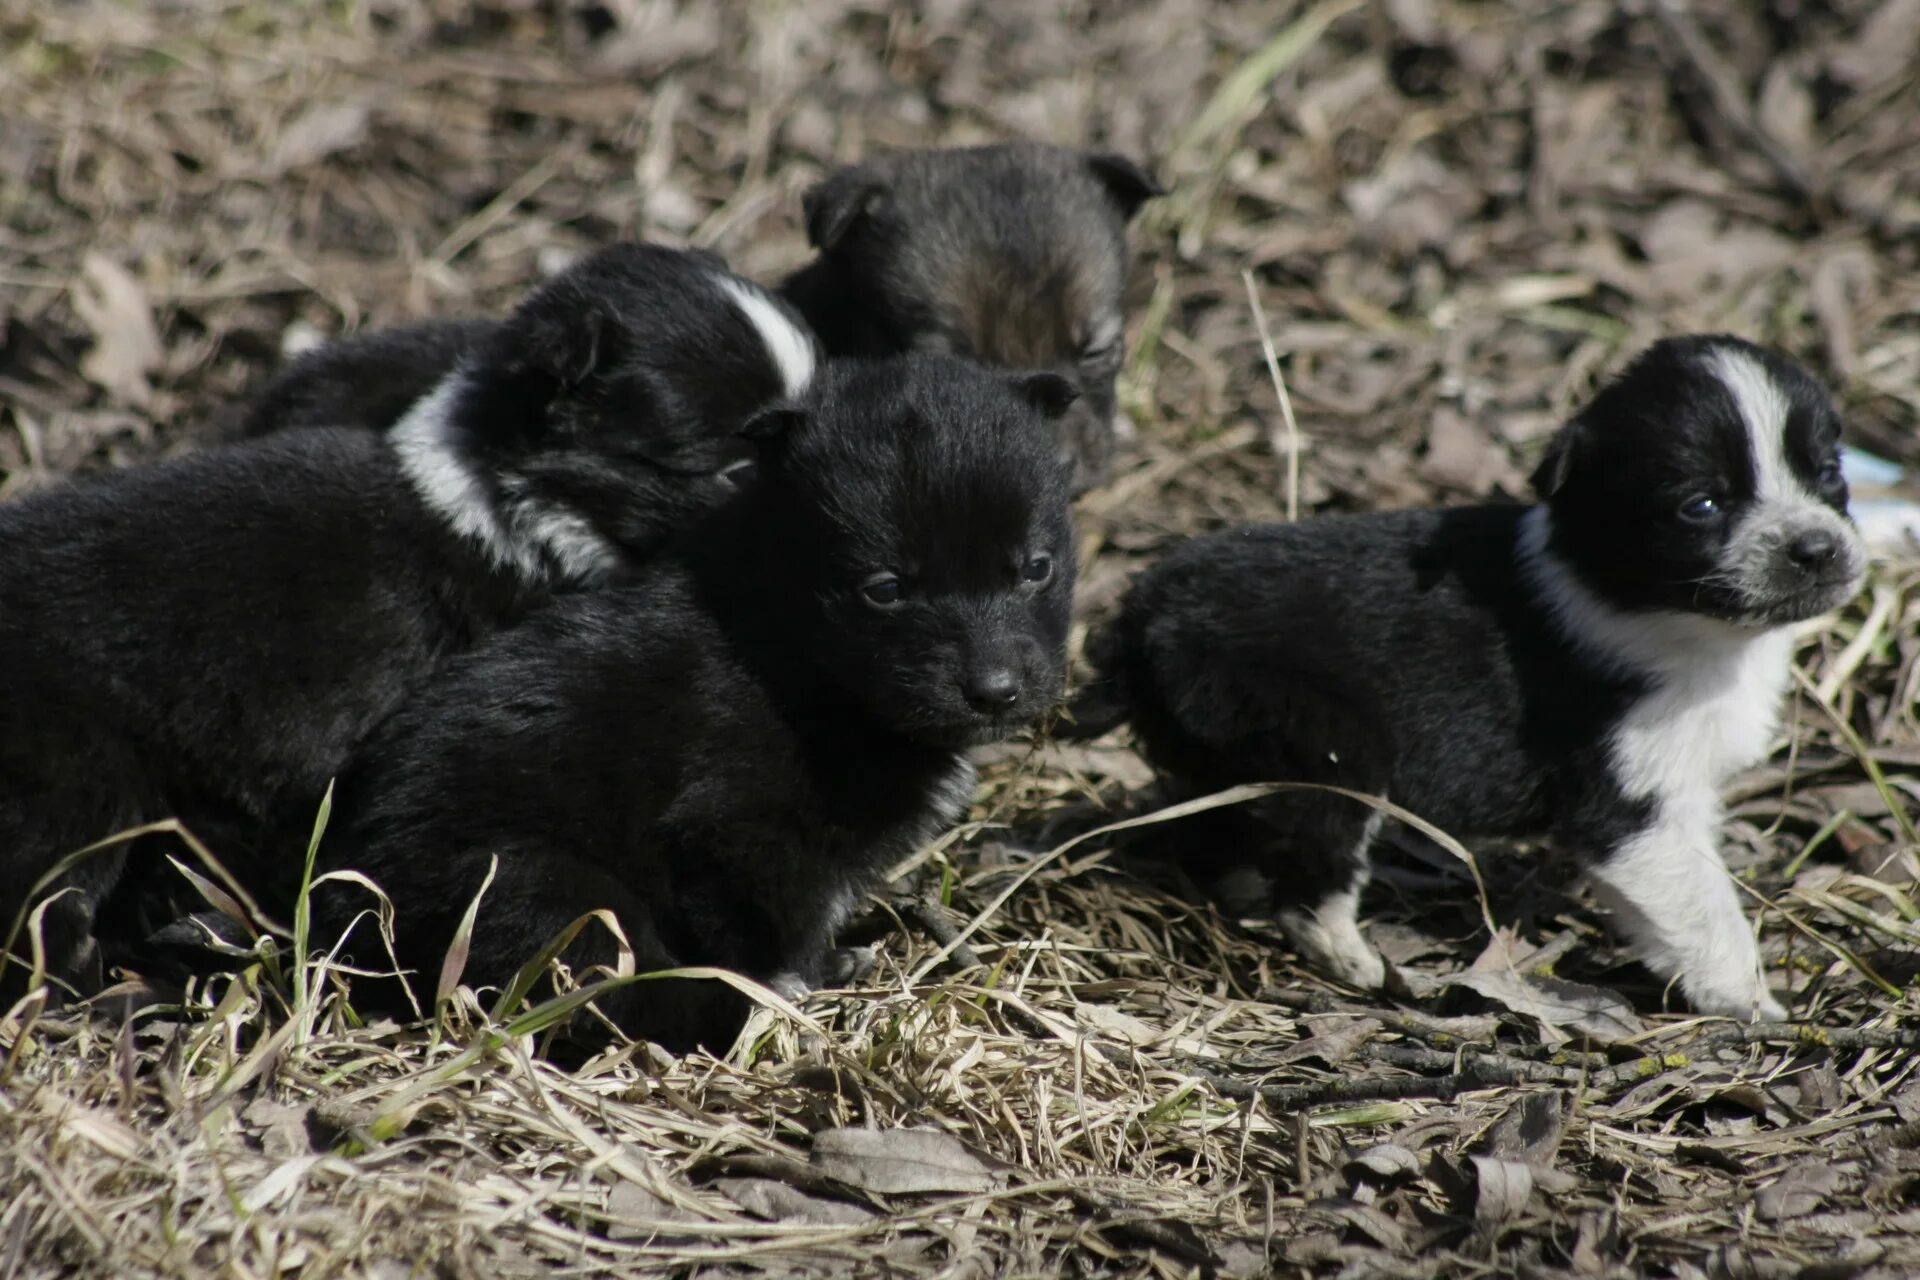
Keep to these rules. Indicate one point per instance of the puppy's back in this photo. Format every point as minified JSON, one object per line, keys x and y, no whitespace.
{"x":367,"y":381}
{"x":1405,"y":634}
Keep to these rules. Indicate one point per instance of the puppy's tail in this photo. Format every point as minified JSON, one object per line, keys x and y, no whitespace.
{"x":1101,"y":703}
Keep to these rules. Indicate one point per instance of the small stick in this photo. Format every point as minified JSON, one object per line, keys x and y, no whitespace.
{"x":1280,"y":390}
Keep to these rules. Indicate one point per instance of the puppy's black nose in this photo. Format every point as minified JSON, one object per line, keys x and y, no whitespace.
{"x":994,"y":689}
{"x":1813,"y":549}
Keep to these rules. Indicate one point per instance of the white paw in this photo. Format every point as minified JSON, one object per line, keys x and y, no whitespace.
{"x":1744,"y":1001}
{"x":1330,"y":940}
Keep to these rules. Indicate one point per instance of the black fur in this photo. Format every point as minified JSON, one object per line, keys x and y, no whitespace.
{"x":367,"y":380}
{"x":726,"y":753}
{"x":1014,"y":255}
{"x":1412,"y":654}
{"x":209,"y":638}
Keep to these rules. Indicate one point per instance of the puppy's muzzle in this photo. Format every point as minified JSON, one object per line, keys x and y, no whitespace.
{"x":992,"y":689}
{"x":1805,"y":569}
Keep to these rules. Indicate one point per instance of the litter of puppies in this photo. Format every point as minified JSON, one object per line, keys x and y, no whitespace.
{"x":495,"y":735}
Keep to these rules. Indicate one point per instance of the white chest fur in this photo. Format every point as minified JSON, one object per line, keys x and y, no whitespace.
{"x":1711,"y":707}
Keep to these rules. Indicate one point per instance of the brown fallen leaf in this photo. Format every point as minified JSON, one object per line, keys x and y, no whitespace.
{"x":1798,"y":1192}
{"x":778,"y":1202}
{"x":1559,"y":1005}
{"x":901,"y":1161}
{"x":126,"y":341}
{"x":636,"y":1214}
{"x":1530,"y":1130}
{"x":1387,"y":1162}
{"x":1503,"y":1189}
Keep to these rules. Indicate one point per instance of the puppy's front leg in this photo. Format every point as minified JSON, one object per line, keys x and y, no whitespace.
{"x":1672,"y":896}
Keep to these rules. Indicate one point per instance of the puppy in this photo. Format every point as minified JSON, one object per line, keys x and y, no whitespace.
{"x":210,"y":637}
{"x":368,"y":380}
{"x":1013,"y":255}
{"x":727,"y":753}
{"x":1593,"y":667}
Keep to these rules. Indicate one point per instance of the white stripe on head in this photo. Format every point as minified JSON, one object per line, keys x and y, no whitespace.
{"x":790,"y":346}
{"x":514,"y":531}
{"x":1784,"y":505}
{"x":1763,"y":408}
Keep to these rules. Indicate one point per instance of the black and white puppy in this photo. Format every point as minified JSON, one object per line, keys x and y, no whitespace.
{"x":1593,"y":667}
{"x":210,"y":637}
{"x":1014,"y":255}
{"x":727,"y":752}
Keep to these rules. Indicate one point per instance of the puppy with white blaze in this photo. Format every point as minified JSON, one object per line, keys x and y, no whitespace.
{"x":727,"y":752}
{"x":210,"y":638}
{"x":1592,"y":667}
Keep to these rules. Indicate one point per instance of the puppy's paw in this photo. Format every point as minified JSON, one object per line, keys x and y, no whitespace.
{"x":1743,"y":1001}
{"x":1329,"y":939}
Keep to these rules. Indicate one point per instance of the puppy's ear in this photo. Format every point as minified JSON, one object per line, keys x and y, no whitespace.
{"x":1050,"y":393}
{"x":1130,"y":185}
{"x":1556,"y":464}
{"x":838,"y":203}
{"x":562,"y":344}
{"x":774,"y":423}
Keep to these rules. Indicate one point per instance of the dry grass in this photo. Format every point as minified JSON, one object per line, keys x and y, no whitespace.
{"x":1456,"y":215}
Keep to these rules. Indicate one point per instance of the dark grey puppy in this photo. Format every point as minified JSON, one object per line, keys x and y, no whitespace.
{"x":1014,"y":255}
{"x":1594,"y":667}
{"x":726,"y":753}
{"x":210,"y":637}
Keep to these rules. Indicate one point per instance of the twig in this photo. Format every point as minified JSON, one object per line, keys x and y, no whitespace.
{"x":1475,"y":1073}
{"x":1806,"y":1035}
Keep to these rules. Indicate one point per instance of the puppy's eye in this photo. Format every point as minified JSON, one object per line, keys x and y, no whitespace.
{"x":1700,"y":508}
{"x":1831,"y":477}
{"x":1099,"y":353}
{"x":882,"y":591}
{"x":741,"y":474}
{"x":1037,"y":569}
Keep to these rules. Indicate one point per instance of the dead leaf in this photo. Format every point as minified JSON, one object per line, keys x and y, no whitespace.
{"x":778,"y":1202}
{"x":1462,"y":455}
{"x":1388,"y":1162}
{"x":901,"y":1161}
{"x":1105,"y":1020}
{"x":1884,"y":46}
{"x":280,"y":1126}
{"x":1503,"y":1189}
{"x":1595,"y":1012}
{"x":126,"y":341}
{"x":1333,"y":1047}
{"x":1530,"y":1130}
{"x":320,"y":131}
{"x":1798,"y":1192}
{"x":635,"y":1213}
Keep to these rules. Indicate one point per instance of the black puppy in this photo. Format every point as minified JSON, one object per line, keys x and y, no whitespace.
{"x":1594,"y":667}
{"x":209,"y":638}
{"x":1014,"y":255}
{"x":728,"y":752}
{"x":367,"y":380}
